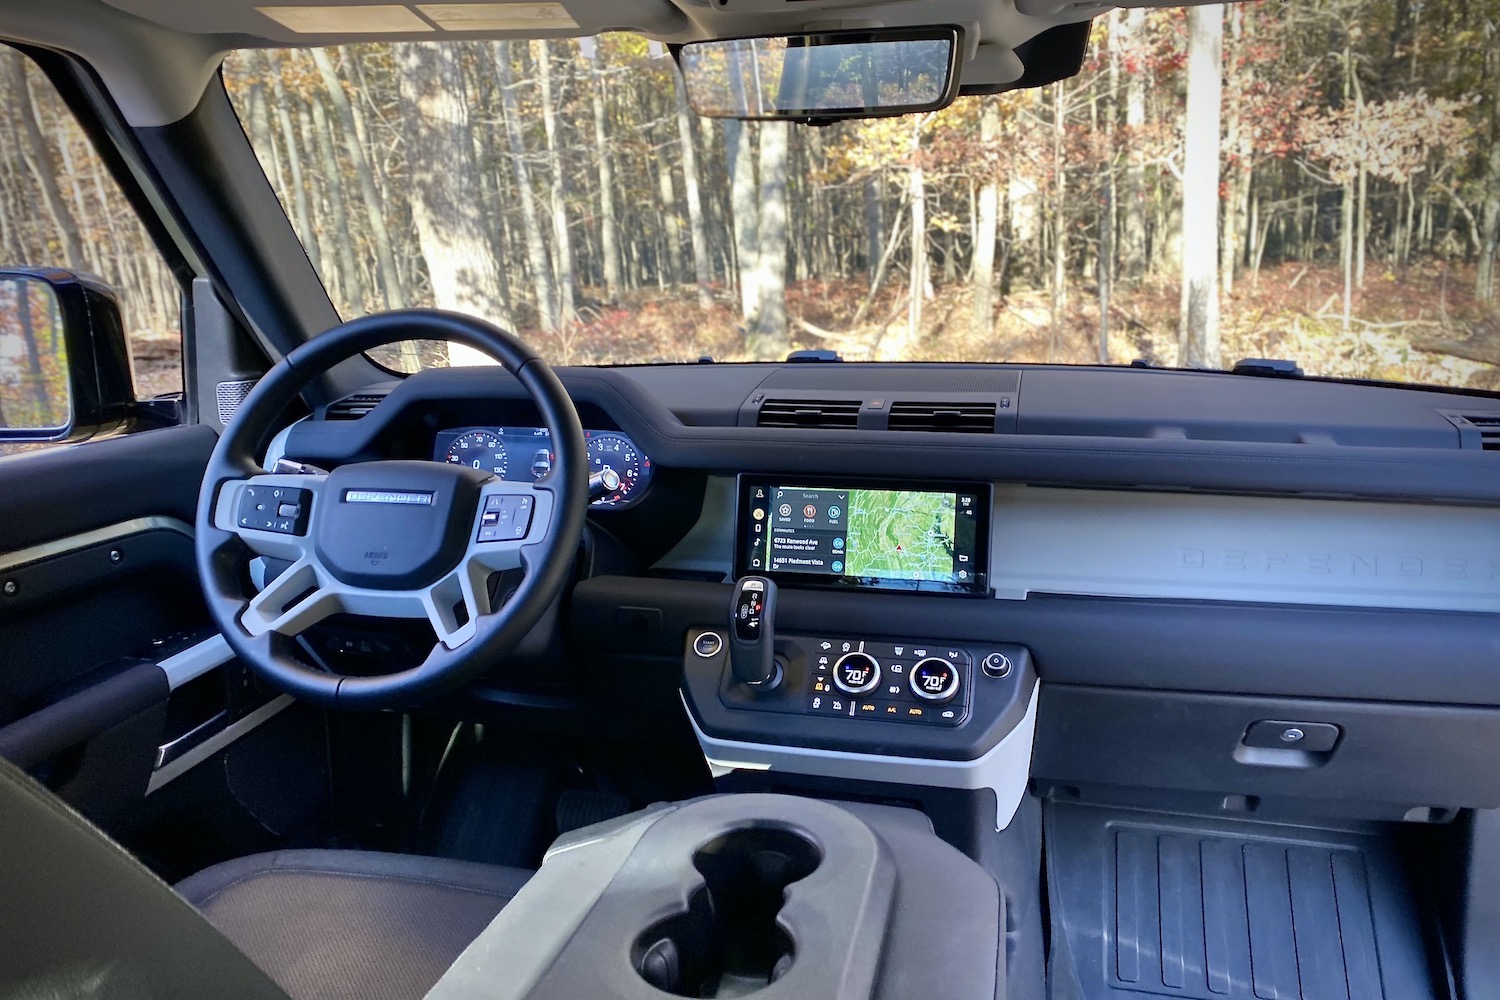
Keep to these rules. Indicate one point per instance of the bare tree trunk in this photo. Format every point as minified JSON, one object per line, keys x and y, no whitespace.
{"x":739,"y":137}
{"x":671,"y":224}
{"x":768,"y":335}
{"x":1059,"y":217}
{"x":536,"y":249}
{"x":988,"y":223}
{"x":1198,"y":335}
{"x":699,"y":234}
{"x":352,"y":279}
{"x":917,"y":287}
{"x":41,"y":161}
{"x":44,"y":414}
{"x":608,"y":234}
{"x":352,"y":129}
{"x":562,"y":244}
{"x":293,"y":161}
{"x":451,"y":228}
{"x":1133,"y":228}
{"x":870,"y":192}
{"x":1489,"y":244}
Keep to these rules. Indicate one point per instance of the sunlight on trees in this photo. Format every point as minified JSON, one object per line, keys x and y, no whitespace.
{"x":1348,"y":164}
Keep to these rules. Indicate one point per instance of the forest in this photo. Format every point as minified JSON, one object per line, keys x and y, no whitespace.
{"x":1339,"y":163}
{"x":1316,"y":181}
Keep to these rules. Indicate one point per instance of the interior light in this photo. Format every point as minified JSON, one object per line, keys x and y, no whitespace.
{"x":364,"y":19}
{"x":498,"y":16}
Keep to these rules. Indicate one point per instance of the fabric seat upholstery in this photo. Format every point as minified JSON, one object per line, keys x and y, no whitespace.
{"x":328,"y":925}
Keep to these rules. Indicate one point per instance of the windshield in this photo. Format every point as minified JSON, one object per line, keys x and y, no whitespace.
{"x":1314,"y":182}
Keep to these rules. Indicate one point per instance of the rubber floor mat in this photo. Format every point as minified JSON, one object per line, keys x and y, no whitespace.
{"x":1213,"y":910}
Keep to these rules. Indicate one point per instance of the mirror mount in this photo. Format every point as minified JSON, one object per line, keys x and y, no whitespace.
{"x":64,"y":359}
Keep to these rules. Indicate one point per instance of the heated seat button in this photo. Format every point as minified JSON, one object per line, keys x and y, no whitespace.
{"x":934,"y":680}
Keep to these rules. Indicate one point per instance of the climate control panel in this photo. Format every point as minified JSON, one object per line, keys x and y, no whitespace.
{"x":921,"y":681}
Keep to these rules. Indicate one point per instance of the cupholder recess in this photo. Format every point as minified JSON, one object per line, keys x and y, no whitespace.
{"x":728,"y":942}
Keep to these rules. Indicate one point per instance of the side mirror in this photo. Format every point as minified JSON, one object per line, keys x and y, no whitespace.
{"x":823,"y":77}
{"x":64,"y":362}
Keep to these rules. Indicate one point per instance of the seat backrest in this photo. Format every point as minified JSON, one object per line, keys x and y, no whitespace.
{"x":80,"y":917}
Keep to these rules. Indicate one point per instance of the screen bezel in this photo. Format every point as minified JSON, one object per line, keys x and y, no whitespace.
{"x":977,"y":587}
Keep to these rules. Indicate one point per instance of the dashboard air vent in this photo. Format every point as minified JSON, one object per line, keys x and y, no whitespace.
{"x":1475,"y":430}
{"x":1489,"y":430}
{"x":961,"y":418}
{"x":815,"y":413}
{"x":354,"y":406}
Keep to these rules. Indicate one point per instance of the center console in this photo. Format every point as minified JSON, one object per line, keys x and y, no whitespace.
{"x":767,"y":896}
{"x":795,"y":680}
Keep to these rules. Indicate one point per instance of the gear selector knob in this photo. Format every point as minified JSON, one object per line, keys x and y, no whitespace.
{"x":752,"y":613}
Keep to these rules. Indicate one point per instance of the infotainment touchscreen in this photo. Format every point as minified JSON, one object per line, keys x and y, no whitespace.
{"x":929,"y":538}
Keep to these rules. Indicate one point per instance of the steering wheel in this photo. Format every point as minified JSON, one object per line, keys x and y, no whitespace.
{"x":392,"y":539}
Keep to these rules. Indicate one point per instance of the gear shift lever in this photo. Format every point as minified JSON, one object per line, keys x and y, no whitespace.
{"x":752,"y":615}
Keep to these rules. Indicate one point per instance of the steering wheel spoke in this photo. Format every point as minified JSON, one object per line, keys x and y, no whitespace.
{"x":271,"y":513}
{"x":300,"y":597}
{"x":511,"y":518}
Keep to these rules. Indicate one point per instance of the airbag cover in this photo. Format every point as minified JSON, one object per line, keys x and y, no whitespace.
{"x":395,"y":525}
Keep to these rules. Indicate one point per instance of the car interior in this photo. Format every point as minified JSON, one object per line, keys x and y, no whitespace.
{"x":800,"y":678}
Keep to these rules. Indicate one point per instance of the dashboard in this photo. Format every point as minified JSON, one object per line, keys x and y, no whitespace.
{"x":1145,"y":545}
{"x":525,"y":454}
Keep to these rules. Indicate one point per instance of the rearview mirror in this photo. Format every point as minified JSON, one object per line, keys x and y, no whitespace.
{"x":823,"y":77}
{"x":64,"y":361}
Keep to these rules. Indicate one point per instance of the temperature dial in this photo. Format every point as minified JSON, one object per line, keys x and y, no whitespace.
{"x":856,"y":673}
{"x":934,"y":679}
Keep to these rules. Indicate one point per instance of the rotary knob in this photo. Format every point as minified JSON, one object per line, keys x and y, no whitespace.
{"x":934,"y":679}
{"x":856,"y":674}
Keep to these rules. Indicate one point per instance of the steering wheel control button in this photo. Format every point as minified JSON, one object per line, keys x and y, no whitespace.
{"x":505,"y":518}
{"x":996,"y":665}
{"x":281,"y":509}
{"x":934,"y":680}
{"x":708,"y":644}
{"x":856,"y":674}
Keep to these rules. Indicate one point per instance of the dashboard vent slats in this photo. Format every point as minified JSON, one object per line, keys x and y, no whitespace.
{"x":1489,"y":430}
{"x":829,"y":414}
{"x":354,"y":406}
{"x":1475,"y":430}
{"x":959,"y":418}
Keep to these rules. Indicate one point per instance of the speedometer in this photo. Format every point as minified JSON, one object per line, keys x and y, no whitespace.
{"x":478,"y":450}
{"x":608,"y":450}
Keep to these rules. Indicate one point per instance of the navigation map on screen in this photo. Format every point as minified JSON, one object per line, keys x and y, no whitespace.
{"x":864,"y":534}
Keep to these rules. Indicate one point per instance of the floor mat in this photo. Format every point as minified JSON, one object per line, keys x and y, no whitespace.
{"x":496,"y":807}
{"x":1220,"y":910}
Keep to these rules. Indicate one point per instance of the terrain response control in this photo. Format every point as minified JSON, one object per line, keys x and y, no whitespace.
{"x":856,"y":674}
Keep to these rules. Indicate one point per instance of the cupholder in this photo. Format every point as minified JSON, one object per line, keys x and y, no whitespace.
{"x":728,"y":943}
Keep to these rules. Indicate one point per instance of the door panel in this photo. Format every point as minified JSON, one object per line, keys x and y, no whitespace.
{"x":97,"y":585}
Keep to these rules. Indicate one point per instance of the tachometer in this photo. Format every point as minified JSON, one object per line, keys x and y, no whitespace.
{"x":618,"y":452}
{"x":478,"y":450}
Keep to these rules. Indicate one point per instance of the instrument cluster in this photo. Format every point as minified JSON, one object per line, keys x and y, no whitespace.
{"x":525,"y":454}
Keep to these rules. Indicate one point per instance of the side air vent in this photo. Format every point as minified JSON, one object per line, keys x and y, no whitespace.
{"x":353,"y":407}
{"x":814,"y":413}
{"x":960,"y":418}
{"x":1475,"y":430}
